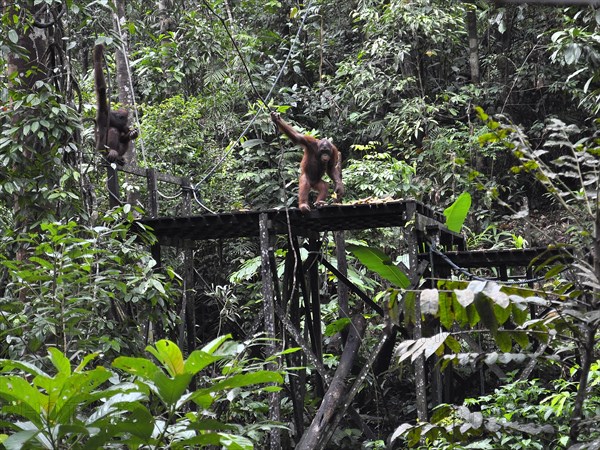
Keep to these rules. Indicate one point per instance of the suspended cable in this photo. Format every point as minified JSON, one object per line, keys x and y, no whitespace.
{"x":237,"y":49}
{"x":262,"y":105}
{"x":200,"y":203}
{"x":169,"y":197}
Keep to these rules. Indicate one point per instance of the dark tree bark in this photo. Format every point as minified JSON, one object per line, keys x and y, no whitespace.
{"x":313,"y":437}
{"x":28,"y":66}
{"x":125,"y":87}
{"x":471,"y":20}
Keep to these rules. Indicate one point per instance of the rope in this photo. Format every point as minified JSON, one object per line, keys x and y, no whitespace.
{"x":472,"y":276}
{"x":140,"y":139}
{"x":237,"y":49}
{"x":261,"y":106}
{"x":170,"y":197}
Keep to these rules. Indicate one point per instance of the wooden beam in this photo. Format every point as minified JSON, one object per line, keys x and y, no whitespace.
{"x":266,"y":248}
{"x":112,"y":184}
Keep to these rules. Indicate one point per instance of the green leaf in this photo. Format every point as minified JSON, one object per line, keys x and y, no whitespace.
{"x":85,"y":361}
{"x":392,"y":306}
{"x":213,"y":345}
{"x":446,"y":314}
{"x":13,"y":36}
{"x":457,"y":212}
{"x":227,"y":441}
{"x":504,"y":341}
{"x":409,"y":307}
{"x":337,"y":326}
{"x":140,"y":367}
{"x":42,"y":262}
{"x":233,"y":442}
{"x":169,"y":354}
{"x":502,"y":314}
{"x":19,"y":440}
{"x":203,"y":396}
{"x":453,"y":344}
{"x":377,"y":261}
{"x":170,"y":390}
{"x":460,"y":312}
{"x":29,"y":400}
{"x":60,"y":361}
{"x":211,"y":424}
{"x":486,"y":313}
{"x":521,"y":338}
{"x":441,"y":413}
{"x":247,"y":379}
{"x":198,"y":360}
{"x":472,"y":315}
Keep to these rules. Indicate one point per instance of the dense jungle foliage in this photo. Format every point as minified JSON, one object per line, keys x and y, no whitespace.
{"x":485,"y":111}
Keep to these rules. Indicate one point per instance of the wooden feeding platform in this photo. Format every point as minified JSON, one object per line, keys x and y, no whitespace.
{"x":338,"y":217}
{"x":293,"y":301}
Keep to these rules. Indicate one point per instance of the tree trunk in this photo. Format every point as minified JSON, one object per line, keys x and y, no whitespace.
{"x":125,"y":88}
{"x":334,"y":398}
{"x":471,"y":20}
{"x":28,"y":68}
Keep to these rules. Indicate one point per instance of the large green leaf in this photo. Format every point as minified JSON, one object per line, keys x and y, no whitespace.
{"x":457,"y":212}
{"x":214,"y":345}
{"x":377,"y":261}
{"x":24,"y":398}
{"x":446,"y":313}
{"x":140,"y":367}
{"x":198,"y":360}
{"x":169,"y":354}
{"x":19,"y":440}
{"x":227,"y":441}
{"x":60,"y":361}
{"x":170,"y":390}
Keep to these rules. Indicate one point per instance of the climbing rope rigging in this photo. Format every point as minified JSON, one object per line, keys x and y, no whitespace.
{"x":264,"y":102}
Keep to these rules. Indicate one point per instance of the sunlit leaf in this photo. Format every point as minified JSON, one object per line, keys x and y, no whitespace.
{"x":457,"y":212}
{"x":377,"y":261}
{"x":169,"y":354}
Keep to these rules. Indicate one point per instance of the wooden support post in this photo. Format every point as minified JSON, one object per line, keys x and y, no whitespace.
{"x":112,"y":184}
{"x":291,"y":304}
{"x":503,"y":273}
{"x":314,"y":247}
{"x":188,"y":261}
{"x":413,"y":262}
{"x":151,"y":182}
{"x":266,"y":249}
{"x":187,"y":329}
{"x":342,"y":265}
